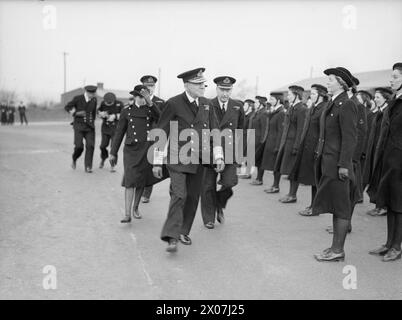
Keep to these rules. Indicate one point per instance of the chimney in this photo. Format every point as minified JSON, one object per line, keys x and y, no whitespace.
{"x":100,"y":85}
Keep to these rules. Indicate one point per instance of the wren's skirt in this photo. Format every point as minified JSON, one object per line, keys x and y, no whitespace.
{"x":334,"y":196}
{"x":138,"y":173}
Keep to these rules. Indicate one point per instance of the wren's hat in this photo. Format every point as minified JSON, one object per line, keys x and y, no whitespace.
{"x":343,"y":73}
{"x":320,"y":88}
{"x":356,"y":81}
{"x":297,"y":89}
{"x":193,"y":76}
{"x":261,"y":99}
{"x":368,"y":94}
{"x":109,"y":97}
{"x":249,"y":101}
{"x":148,"y":79}
{"x":384,"y":90}
{"x":397,"y":65}
{"x":276,"y":94}
{"x":137,"y":90}
{"x":225,"y":82}
{"x":91,"y":88}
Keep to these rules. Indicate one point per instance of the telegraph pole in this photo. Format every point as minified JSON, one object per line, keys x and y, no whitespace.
{"x":65,"y":70}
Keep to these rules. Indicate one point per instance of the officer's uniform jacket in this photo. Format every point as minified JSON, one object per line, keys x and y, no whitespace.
{"x":135,"y":122}
{"x":79,"y":104}
{"x":233,"y":118}
{"x":188,"y":116}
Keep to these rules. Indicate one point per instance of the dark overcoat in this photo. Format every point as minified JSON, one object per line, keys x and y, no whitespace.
{"x":386,"y":182}
{"x":303,"y":170}
{"x":336,"y":146}
{"x":272,"y":138}
{"x":290,"y":140}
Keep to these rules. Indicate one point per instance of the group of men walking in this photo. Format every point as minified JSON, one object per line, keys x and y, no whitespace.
{"x":341,"y":145}
{"x":8,"y":110}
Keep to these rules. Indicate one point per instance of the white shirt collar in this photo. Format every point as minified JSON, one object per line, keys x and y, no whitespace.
{"x":221,"y":103}
{"x":398,"y":94}
{"x":335,"y":96}
{"x":191,"y":99}
{"x":86,"y":97}
{"x":383,"y":107}
{"x":274,"y":108}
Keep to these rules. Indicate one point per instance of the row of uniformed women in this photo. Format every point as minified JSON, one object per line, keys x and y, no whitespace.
{"x":332,"y":145}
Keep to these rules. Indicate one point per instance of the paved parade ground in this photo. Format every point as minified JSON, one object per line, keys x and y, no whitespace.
{"x":51,"y":215}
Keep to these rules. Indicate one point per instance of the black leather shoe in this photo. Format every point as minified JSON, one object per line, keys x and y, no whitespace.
{"x":288,"y":199}
{"x":74,"y":164}
{"x":88,"y":170}
{"x":244,"y":176}
{"x":112,"y":169}
{"x":209,"y":225}
{"x":219,"y":216}
{"x":145,"y":200}
{"x":380,"y":251}
{"x":330,"y":256}
{"x":102,"y":164}
{"x":256,"y":183}
{"x":172,"y":246}
{"x":392,"y":255}
{"x":184,"y":239}
{"x":126,"y":219}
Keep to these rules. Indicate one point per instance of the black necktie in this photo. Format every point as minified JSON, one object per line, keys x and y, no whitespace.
{"x":223,"y":109}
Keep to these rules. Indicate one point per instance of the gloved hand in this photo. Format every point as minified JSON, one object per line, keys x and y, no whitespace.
{"x":157,"y":172}
{"x":111,"y":118}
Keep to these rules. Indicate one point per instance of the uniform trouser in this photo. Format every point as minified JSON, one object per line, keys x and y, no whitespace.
{"x":89,"y":136}
{"x":185,"y":191}
{"x":23,"y":118}
{"x":105,"y":141}
{"x":212,"y":199}
{"x":147,"y":192}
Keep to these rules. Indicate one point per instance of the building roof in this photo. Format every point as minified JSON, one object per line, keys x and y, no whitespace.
{"x":368,"y":80}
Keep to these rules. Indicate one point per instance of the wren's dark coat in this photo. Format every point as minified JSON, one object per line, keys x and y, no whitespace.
{"x":272,"y":138}
{"x":374,"y":130}
{"x":336,"y":146}
{"x":185,"y":178}
{"x":259,"y":123}
{"x":211,"y":198}
{"x":84,"y":127}
{"x":290,"y":140}
{"x":303,"y":170}
{"x":386,"y":182}
{"x":135,"y":123}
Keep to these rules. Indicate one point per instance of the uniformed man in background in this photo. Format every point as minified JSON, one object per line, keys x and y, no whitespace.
{"x":109,"y":112}
{"x":192,"y":111}
{"x":249,"y":114}
{"x":230,"y":115}
{"x":22,"y":111}
{"x":83,"y":109}
{"x":150,"y":82}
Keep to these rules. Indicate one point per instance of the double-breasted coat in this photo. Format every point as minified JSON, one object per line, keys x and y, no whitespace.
{"x":303,"y":170}
{"x":272,"y":138}
{"x":135,"y":123}
{"x":290,"y":140}
{"x":336,"y":146}
{"x":386,"y":182}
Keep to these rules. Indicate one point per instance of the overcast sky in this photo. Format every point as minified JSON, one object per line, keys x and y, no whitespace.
{"x":117,"y":42}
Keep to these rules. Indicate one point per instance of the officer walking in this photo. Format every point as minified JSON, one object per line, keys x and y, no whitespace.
{"x":191,"y":111}
{"x":150,"y":81}
{"x":109,"y":111}
{"x":22,"y":110}
{"x":230,"y":115}
{"x":83,"y":109}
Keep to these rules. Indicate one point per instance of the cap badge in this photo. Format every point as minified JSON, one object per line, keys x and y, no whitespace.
{"x":226,"y":80}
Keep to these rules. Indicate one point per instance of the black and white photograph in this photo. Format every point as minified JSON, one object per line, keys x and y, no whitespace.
{"x":213,"y":152}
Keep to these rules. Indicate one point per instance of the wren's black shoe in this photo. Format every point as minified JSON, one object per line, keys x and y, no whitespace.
{"x":74,"y":164}
{"x":380,"y":251}
{"x":88,"y":170}
{"x":172,"y":246}
{"x":184,"y":239}
{"x":209,"y":225}
{"x":102,"y":164}
{"x":126,"y":219}
{"x":219,"y":216}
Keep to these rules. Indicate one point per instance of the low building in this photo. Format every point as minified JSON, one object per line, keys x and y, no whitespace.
{"x":121,"y":95}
